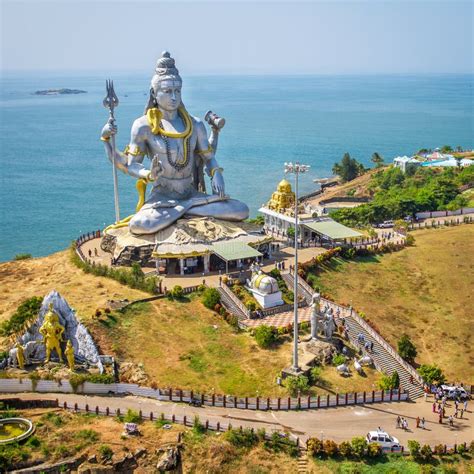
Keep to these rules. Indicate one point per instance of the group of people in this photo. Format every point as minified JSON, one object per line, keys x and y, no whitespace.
{"x":96,"y":253}
{"x":403,"y":423}
{"x":439,"y":407}
{"x":280,"y":265}
{"x":368,"y":345}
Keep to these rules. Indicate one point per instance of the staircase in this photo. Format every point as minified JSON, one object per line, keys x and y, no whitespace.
{"x":290,"y":283}
{"x":384,"y":358}
{"x":302,"y":462}
{"x":230,"y":304}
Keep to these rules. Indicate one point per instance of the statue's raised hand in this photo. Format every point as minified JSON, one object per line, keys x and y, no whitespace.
{"x":218,"y":184}
{"x":156,"y":168}
{"x":109,"y":129}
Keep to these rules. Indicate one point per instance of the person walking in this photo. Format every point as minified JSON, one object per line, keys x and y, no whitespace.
{"x":465,"y":405}
{"x":398,"y":421}
{"x":90,"y":253}
{"x":422,"y":423}
{"x":451,"y":420}
{"x":434,"y":407}
{"x":417,"y":421}
{"x":372,"y":346}
{"x":440,"y":418}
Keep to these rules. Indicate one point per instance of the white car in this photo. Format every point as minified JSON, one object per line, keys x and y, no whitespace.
{"x":383,"y":439}
{"x":452,"y":392}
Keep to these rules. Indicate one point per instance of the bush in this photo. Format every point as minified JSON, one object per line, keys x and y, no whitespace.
{"x":330,"y":448}
{"x":177,"y":292}
{"x":25,"y":312}
{"x":297,"y":384}
{"x":338,"y":359}
{"x":462,"y":449}
{"x":245,"y":438}
{"x":359,"y":446}
{"x":314,"y":446}
{"x":406,"y":348}
{"x":315,"y":374}
{"x":410,"y":240}
{"x":374,"y":450}
{"x":105,"y":452}
{"x":88,"y":435}
{"x":132,"y":416}
{"x":439,"y":449}
{"x":431,"y":374}
{"x":389,"y":382}
{"x":279,"y":444}
{"x":210,"y":297}
{"x":426,"y":453}
{"x":251,"y":305}
{"x":198,"y":427}
{"x":345,"y":449}
{"x":414,"y":448}
{"x":22,"y":256}
{"x":265,"y":336}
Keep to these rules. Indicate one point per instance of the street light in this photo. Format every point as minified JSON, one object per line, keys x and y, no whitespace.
{"x":296,"y":168}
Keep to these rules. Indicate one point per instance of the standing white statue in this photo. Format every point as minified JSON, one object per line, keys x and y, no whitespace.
{"x":315,"y":314}
{"x":179,"y":149}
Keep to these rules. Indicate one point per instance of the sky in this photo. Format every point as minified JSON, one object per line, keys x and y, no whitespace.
{"x":283,"y":37}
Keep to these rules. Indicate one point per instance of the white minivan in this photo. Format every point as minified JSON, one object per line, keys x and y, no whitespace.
{"x":383,"y":439}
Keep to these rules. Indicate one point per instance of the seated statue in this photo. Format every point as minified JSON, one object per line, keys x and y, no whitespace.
{"x":179,"y":149}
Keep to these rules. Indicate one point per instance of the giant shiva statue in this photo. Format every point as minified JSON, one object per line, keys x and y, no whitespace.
{"x":179,"y":150}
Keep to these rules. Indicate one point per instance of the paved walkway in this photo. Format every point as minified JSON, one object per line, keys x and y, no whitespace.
{"x":339,"y":423}
{"x":280,"y":320}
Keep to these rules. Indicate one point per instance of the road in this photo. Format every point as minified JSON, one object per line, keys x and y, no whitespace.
{"x":341,"y":423}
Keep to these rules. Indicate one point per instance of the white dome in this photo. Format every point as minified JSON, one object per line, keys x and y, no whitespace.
{"x":265,"y":284}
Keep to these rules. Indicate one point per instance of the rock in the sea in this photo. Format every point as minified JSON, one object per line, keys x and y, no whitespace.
{"x":60,"y":92}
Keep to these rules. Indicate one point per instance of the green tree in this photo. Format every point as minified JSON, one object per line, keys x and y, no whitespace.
{"x":297,"y":384}
{"x":406,"y":348}
{"x":291,"y":232}
{"x":359,"y":446}
{"x":431,"y":373}
{"x":265,"y":336}
{"x":348,"y":168}
{"x":210,"y":297}
{"x":414,"y":448}
{"x":377,"y":159}
{"x":389,"y":382}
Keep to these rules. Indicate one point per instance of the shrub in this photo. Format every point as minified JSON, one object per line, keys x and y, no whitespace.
{"x":105,"y":452}
{"x":278,"y":444}
{"x":414,"y":448}
{"x":22,"y":256}
{"x":389,"y":382}
{"x":338,"y":359}
{"x":314,"y":446}
{"x":87,"y":435}
{"x":438,"y":449}
{"x":462,"y":449}
{"x":410,"y":240}
{"x":210,"y":297}
{"x":251,"y":305}
{"x":431,"y":374}
{"x":359,"y":446}
{"x":198,"y":427}
{"x":330,"y":448}
{"x":374,"y":450}
{"x":25,"y":312}
{"x":426,"y":453}
{"x":245,"y":438}
{"x":345,"y":449}
{"x":315,"y":374}
{"x":132,"y":416}
{"x":265,"y":336}
{"x":406,"y":348}
{"x":297,"y":384}
{"x":177,"y":292}
{"x":34,"y":442}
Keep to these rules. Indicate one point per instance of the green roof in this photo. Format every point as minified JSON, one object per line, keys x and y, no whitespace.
{"x":234,"y":250}
{"x":332,"y":229}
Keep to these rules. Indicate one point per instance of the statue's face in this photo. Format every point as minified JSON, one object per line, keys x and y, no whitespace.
{"x":168,"y":96}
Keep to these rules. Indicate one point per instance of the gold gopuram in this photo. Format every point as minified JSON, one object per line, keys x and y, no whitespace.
{"x":283,"y":198}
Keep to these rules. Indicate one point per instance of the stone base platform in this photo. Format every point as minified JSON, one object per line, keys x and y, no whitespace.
{"x":186,"y":238}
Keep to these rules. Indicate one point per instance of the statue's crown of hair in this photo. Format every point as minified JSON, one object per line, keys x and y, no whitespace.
{"x":165,"y":66}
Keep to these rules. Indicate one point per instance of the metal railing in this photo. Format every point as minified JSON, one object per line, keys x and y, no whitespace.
{"x":235,"y":300}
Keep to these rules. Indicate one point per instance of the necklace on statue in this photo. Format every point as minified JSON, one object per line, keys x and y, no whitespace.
{"x":176,"y":164}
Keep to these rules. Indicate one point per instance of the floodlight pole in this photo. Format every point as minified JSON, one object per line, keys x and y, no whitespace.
{"x":296,"y":168}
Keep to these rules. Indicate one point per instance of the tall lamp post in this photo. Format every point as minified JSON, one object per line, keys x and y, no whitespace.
{"x":296,"y":168}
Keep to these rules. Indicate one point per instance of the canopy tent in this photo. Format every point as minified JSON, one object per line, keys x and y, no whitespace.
{"x":332,"y":230}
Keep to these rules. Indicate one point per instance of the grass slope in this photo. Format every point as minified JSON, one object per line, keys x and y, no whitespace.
{"x":425,"y":291}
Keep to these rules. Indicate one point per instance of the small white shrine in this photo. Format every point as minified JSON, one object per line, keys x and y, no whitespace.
{"x":264,"y":288}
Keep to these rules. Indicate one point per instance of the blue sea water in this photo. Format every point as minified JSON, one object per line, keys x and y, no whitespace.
{"x":56,"y":182}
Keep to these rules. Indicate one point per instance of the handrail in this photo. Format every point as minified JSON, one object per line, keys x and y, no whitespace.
{"x":235,"y":300}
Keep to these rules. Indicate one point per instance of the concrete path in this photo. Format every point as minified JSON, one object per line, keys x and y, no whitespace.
{"x":341,"y":423}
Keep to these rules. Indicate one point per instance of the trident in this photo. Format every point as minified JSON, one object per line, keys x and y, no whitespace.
{"x":110,"y":102}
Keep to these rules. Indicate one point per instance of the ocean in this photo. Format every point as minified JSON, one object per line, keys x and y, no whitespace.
{"x":56,"y":182}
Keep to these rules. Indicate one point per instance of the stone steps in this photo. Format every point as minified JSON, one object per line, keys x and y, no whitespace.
{"x":230,"y":305}
{"x":302,"y":463}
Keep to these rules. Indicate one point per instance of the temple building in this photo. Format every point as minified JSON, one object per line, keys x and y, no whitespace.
{"x":279,"y":218}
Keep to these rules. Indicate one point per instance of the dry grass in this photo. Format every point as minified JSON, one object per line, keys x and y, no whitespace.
{"x":424,"y":291}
